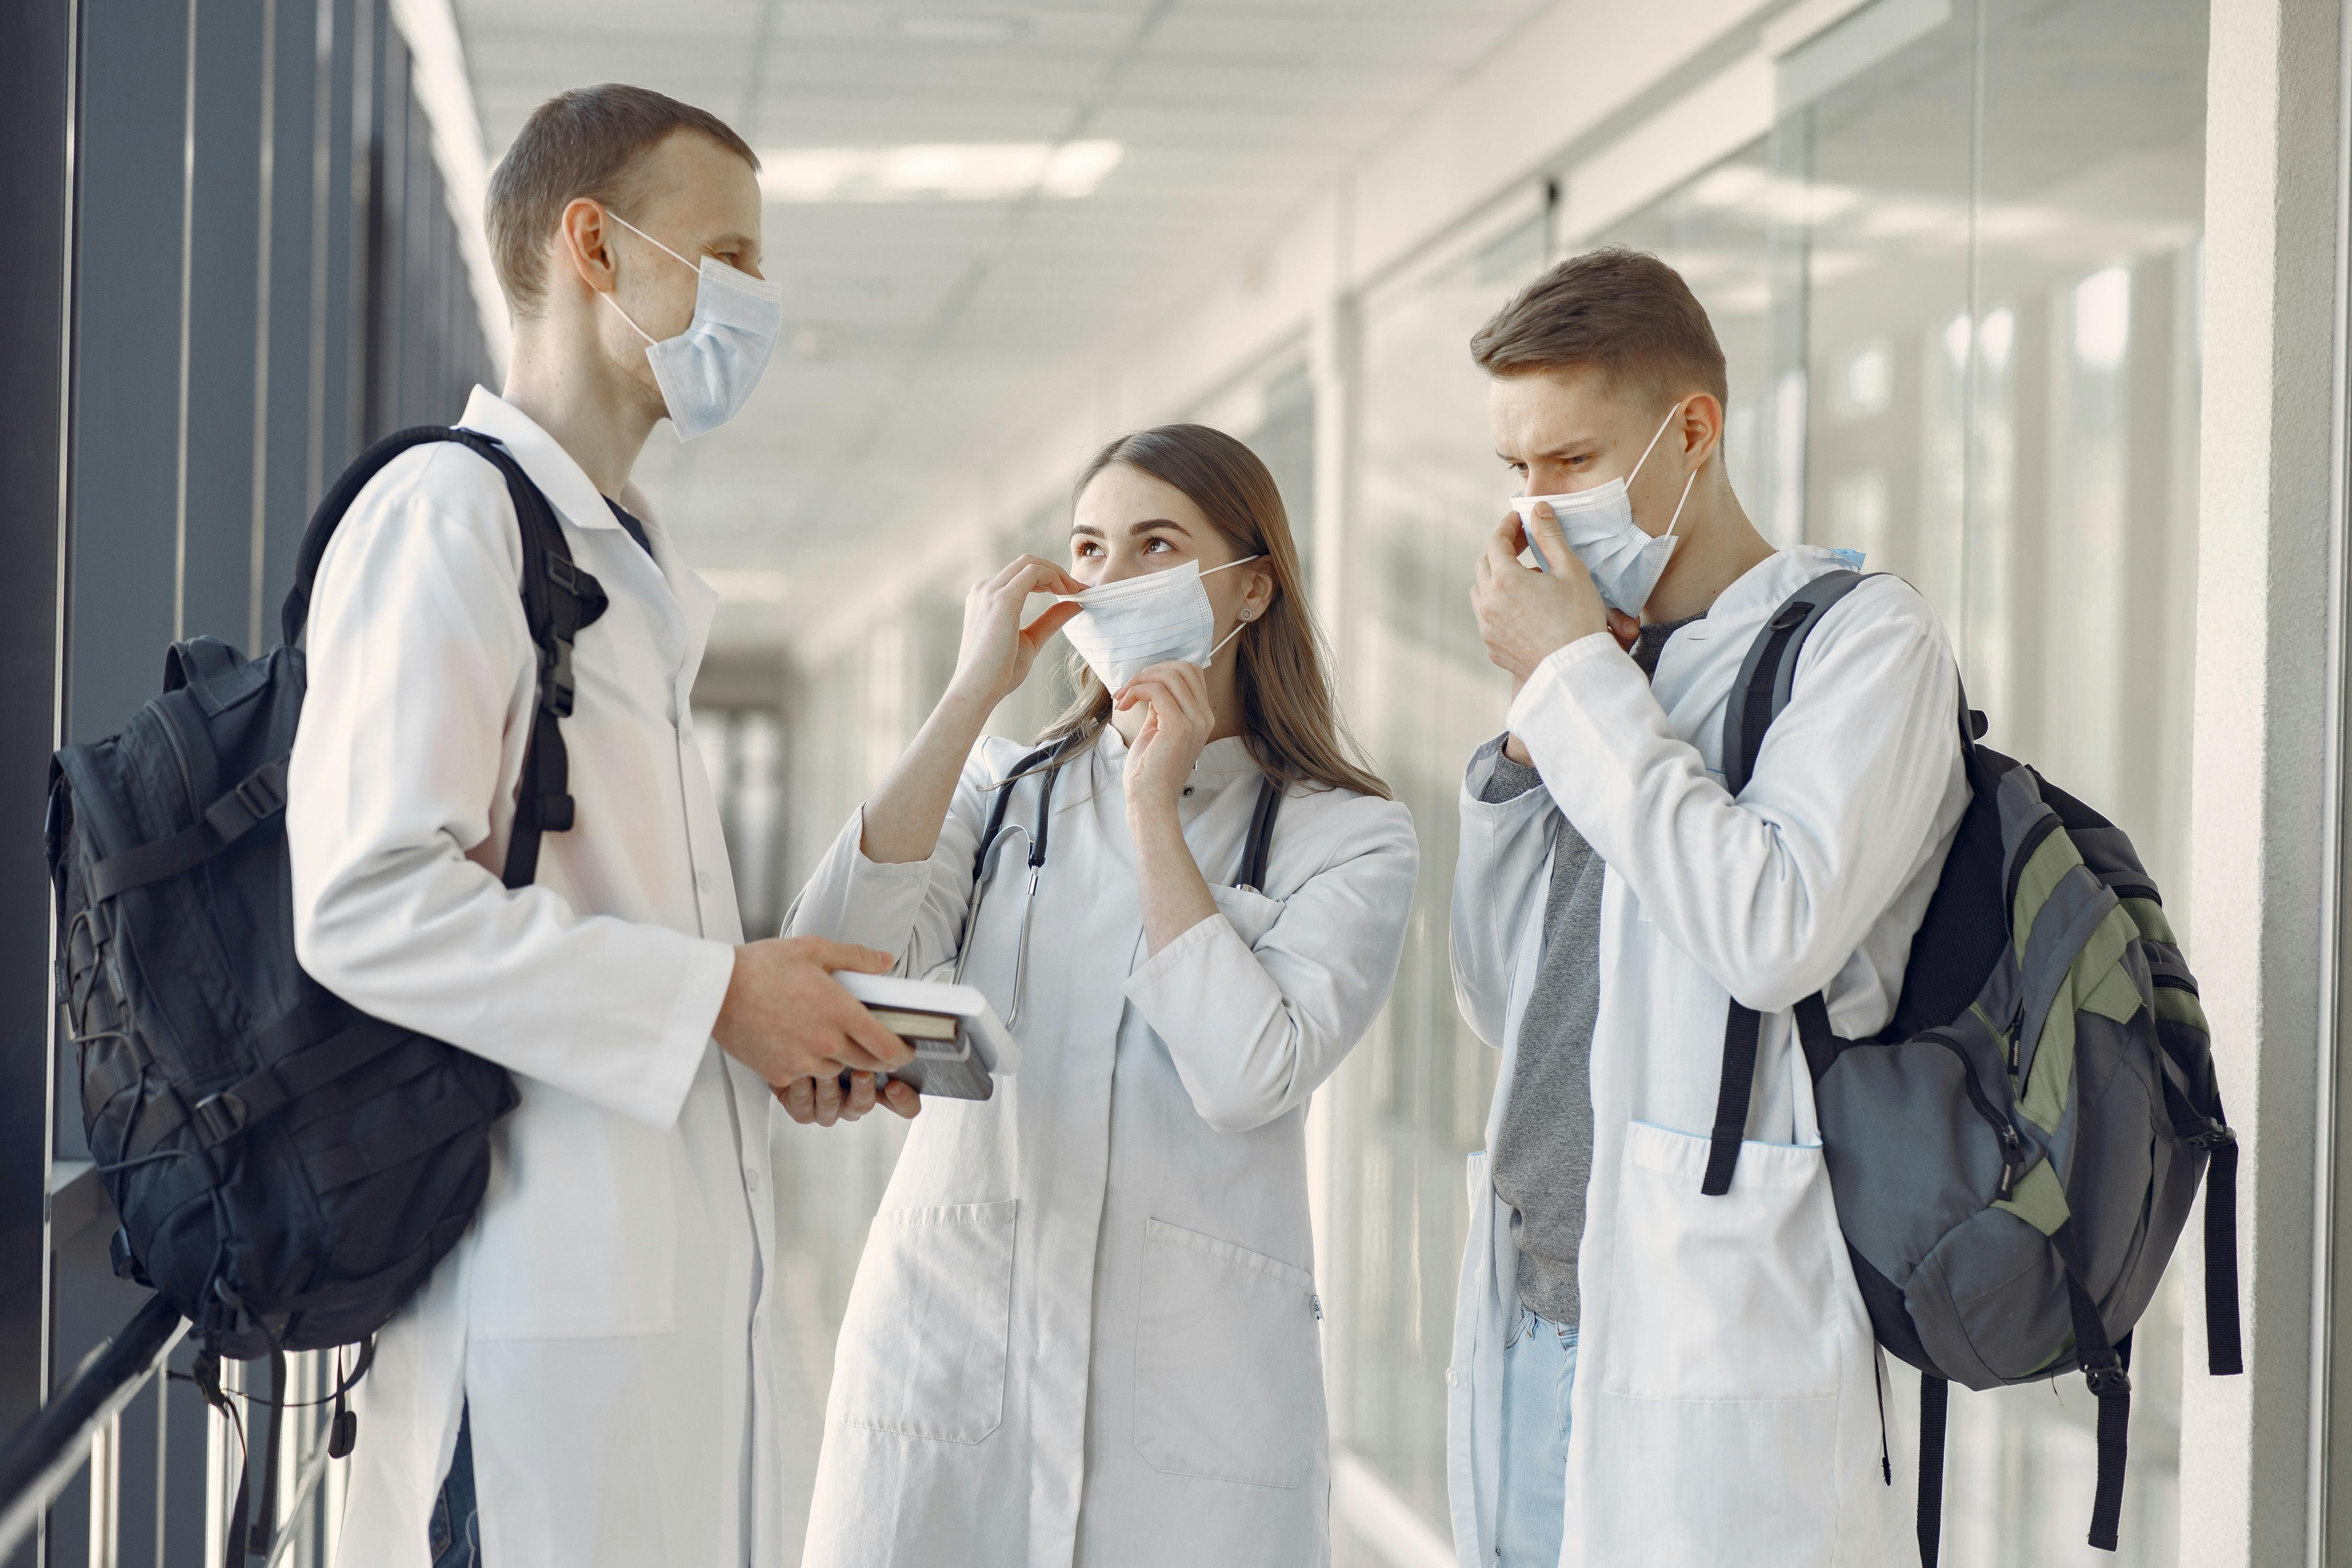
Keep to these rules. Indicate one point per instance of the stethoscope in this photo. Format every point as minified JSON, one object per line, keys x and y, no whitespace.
{"x":985,"y":859}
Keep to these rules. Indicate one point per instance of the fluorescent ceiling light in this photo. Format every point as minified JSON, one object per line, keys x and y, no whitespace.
{"x":939,"y":171}
{"x":946,"y":29}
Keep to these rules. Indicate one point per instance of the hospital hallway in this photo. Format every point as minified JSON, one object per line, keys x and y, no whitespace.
{"x":2040,"y":305}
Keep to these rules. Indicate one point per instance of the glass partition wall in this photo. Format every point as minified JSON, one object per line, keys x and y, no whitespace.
{"x":1957,"y":283}
{"x":1956,"y":280}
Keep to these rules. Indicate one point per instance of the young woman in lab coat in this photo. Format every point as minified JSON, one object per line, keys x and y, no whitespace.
{"x":1084,"y":1331}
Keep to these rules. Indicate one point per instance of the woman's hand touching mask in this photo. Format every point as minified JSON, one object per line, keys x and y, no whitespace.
{"x":998,"y":650}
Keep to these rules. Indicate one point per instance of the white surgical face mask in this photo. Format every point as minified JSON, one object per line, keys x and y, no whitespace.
{"x":1599,"y":526}
{"x":1125,"y":627}
{"x":707,"y":373}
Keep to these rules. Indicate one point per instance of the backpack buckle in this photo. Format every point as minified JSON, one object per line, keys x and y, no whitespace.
{"x":555,"y":678}
{"x":262,"y":795}
{"x":218,"y":1117}
{"x":2208,"y":1135}
{"x":562,"y":572}
{"x":1791,"y":614}
{"x":2108,"y":1382}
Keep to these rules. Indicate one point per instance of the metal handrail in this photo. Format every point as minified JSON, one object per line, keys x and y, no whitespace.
{"x":42,"y":1458}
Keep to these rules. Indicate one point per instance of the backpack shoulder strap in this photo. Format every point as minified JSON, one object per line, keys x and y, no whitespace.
{"x":1769,"y":674}
{"x":1261,"y":837}
{"x":559,"y":602}
{"x":1766,"y":679}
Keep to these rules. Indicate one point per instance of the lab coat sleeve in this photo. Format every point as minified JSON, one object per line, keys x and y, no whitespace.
{"x":420,"y":667}
{"x":1769,"y":893}
{"x":914,"y":910}
{"x":1498,"y":885}
{"x":1252,"y":1033}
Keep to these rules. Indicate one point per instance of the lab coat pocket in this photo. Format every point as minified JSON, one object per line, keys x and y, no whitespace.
{"x":1228,"y":1366}
{"x":1723,"y":1348}
{"x":1250,"y":912}
{"x":928,"y":1320}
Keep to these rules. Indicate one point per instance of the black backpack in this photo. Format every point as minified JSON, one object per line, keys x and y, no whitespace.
{"x":2014,"y":1154}
{"x":286,"y":1169}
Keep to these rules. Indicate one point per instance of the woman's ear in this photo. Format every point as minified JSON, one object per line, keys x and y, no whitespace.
{"x":1258,"y":597}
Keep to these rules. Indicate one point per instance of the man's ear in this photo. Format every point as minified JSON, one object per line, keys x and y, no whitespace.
{"x":1702,"y":423}
{"x":584,"y":238}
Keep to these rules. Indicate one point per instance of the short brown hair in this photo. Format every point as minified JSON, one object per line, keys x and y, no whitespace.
{"x":1625,"y":311}
{"x":585,"y":142}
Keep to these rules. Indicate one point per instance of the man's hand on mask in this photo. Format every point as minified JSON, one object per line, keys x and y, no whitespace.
{"x":1525,"y":614}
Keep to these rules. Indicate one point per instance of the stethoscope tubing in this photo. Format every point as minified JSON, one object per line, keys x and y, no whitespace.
{"x":986,"y":860}
{"x":984,"y":864}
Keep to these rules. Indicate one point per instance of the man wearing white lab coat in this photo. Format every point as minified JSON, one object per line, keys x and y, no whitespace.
{"x":1719,"y":1398}
{"x":600,"y":1331}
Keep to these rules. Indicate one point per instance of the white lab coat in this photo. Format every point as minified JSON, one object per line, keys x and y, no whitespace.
{"x":1084,"y":1329}
{"x":1726,"y":1403}
{"x":600,"y":1315}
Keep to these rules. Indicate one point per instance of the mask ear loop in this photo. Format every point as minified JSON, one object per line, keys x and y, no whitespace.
{"x":682,"y":262}
{"x":1237,"y":625}
{"x":1686,"y":483}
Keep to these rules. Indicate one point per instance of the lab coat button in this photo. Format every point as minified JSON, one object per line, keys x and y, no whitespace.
{"x":702,"y":880}
{"x":751,"y":1180}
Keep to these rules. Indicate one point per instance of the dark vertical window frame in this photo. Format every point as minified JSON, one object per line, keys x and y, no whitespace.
{"x":388,"y":291}
{"x":188,"y":284}
{"x":338,"y":432}
{"x":322,"y":100}
{"x":222,"y":326}
{"x":374,"y":417}
{"x":285,"y":457}
{"x":38,"y":44}
{"x":416,"y":237}
{"x":258,"y":627}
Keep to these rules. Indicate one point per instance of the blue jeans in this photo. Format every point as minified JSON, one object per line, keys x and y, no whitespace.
{"x":454,"y":1532}
{"x":1539,"y":1370}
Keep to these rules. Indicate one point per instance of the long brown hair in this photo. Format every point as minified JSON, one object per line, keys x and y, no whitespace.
{"x":1290,"y":723}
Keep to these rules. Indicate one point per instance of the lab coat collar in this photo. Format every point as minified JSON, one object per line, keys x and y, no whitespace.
{"x":1765,"y":584}
{"x":1217,"y":759}
{"x":577,"y":500}
{"x":554,"y":470}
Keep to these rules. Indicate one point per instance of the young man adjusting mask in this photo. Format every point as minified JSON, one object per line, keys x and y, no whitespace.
{"x":585,"y":1378}
{"x":1644,"y":1373}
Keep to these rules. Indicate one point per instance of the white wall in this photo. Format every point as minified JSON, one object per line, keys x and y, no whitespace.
{"x":2269,"y":551}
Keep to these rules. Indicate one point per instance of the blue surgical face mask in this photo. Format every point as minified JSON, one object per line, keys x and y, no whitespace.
{"x":1599,"y":526}
{"x":707,"y":373}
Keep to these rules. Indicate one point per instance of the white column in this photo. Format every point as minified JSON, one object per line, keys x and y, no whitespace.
{"x":2266,"y":555}
{"x":1334,"y":368}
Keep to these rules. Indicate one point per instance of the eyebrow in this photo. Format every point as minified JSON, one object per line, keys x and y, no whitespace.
{"x":1146,"y":526}
{"x":1565,"y":449}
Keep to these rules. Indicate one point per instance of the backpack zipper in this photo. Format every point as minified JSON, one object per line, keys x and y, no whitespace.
{"x":2013,"y":1156}
{"x":2034,"y":835}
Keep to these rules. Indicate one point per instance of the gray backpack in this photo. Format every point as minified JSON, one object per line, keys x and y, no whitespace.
{"x":2014,"y":1156}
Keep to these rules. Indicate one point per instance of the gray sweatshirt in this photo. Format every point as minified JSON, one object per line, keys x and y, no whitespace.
{"x":1543,"y":1155}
